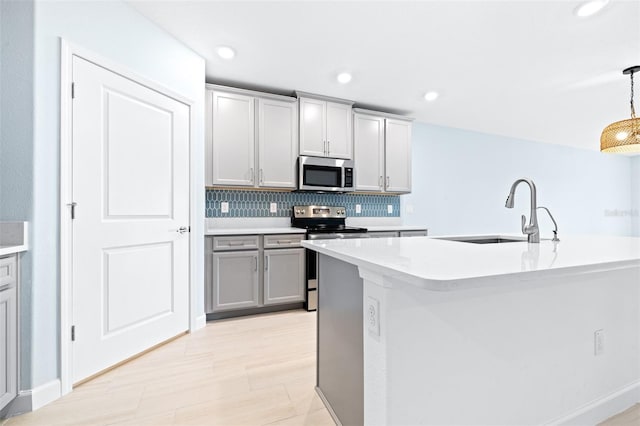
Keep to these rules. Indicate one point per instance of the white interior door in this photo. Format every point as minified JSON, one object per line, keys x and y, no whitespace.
{"x":131,"y":185}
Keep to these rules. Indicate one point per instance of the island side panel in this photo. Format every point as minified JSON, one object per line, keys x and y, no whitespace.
{"x":511,"y":355}
{"x":340,"y":340}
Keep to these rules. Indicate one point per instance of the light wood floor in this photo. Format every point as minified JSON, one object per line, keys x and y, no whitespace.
{"x":257,"y":370}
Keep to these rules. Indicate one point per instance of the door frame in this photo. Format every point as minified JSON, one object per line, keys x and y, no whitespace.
{"x":67,"y":52}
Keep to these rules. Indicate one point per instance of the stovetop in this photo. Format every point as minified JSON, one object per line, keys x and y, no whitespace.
{"x":322,"y":220}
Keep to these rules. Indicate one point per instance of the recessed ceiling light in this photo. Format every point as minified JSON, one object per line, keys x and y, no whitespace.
{"x":590,"y":8}
{"x":344,"y":77}
{"x":431,"y":96}
{"x":226,"y":52}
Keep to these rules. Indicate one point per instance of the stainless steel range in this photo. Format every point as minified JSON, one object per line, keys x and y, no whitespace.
{"x":321,"y":223}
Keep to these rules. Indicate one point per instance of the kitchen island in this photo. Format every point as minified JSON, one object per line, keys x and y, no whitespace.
{"x":429,"y":331}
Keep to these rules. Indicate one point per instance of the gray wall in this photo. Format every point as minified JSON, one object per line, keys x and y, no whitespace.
{"x":461,"y":180}
{"x":16,"y":140}
{"x":117,"y":32}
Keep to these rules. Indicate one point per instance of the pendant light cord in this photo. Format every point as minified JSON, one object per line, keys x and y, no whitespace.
{"x":633,"y":110}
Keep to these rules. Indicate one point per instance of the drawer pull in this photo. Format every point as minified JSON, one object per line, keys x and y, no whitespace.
{"x":236,"y":243}
{"x":284,"y":241}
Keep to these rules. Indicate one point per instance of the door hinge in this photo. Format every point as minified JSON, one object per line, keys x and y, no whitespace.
{"x":73,"y":90}
{"x":73,"y":209}
{"x":73,"y":333}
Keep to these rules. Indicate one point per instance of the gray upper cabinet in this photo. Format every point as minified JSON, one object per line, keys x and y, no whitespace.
{"x":277,"y":143}
{"x":325,"y":127}
{"x":232,"y":139}
{"x":368,"y":136}
{"x":283,"y":276}
{"x":252,"y":140}
{"x":8,"y":331}
{"x":235,"y":280}
{"x":397,"y":155}
{"x":382,"y":151}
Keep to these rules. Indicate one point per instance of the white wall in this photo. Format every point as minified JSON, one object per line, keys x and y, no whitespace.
{"x":461,"y":180}
{"x":635,"y":196}
{"x":113,"y":30}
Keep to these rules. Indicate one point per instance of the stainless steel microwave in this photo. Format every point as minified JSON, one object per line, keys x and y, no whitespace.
{"x":325,"y":174}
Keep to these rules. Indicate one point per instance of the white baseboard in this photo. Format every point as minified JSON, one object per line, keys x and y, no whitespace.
{"x":599,"y":410}
{"x":201,"y":321}
{"x":45,"y":394}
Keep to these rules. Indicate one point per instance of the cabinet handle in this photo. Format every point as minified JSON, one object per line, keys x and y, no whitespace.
{"x":328,"y":147}
{"x":255,"y":263}
{"x":266,"y":263}
{"x":261,"y":176}
{"x":251,"y":172}
{"x":284,"y":241}
{"x":236,"y":243}
{"x":324,"y":147}
{"x":380,"y":181}
{"x":387,"y":182}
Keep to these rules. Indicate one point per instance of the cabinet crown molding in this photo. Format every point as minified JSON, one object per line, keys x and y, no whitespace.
{"x":382,"y":114}
{"x":323,"y":98}
{"x":254,"y":93}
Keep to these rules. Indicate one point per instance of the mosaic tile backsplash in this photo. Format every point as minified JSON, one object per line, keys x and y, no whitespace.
{"x":257,"y":203}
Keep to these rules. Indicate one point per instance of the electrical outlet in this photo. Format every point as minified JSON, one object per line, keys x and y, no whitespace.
{"x":358,"y":208}
{"x":373,"y":316}
{"x":273,"y":208}
{"x":224,"y":207}
{"x":389,"y":208}
{"x":598,"y":342}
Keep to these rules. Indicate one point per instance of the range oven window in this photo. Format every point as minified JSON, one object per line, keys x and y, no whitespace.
{"x":323,"y":176}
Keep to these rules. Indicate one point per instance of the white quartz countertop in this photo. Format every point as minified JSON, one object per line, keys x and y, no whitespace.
{"x":13,"y":237}
{"x":252,"y":231}
{"x":443,"y":265}
{"x":395,"y":228}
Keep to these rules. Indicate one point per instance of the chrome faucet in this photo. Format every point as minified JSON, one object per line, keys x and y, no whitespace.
{"x":531,"y":231}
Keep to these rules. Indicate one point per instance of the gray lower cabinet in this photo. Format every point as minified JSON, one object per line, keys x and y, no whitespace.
{"x":283,"y":276}
{"x":382,"y":234}
{"x":235,"y":280}
{"x":8,"y":331}
{"x":421,"y":233}
{"x":253,"y":271}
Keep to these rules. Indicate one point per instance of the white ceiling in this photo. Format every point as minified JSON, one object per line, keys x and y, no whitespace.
{"x":524,"y":69}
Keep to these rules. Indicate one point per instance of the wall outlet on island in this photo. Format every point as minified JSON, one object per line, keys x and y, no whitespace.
{"x":358,"y":208}
{"x":373,"y":316}
{"x":224,"y":207}
{"x":598,"y":342}
{"x":273,"y":208}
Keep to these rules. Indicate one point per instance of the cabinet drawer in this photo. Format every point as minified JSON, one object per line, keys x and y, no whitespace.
{"x":283,"y":240}
{"x":7,"y":271}
{"x":413,"y":233}
{"x":382,"y":234}
{"x":235,"y":242}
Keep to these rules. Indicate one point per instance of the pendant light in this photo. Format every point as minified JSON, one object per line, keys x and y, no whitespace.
{"x":623,"y":136}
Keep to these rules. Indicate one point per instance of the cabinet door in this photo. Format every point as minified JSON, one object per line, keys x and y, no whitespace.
{"x":277,"y":143}
{"x":235,"y":280}
{"x":233,"y":139}
{"x":8,"y":347}
{"x":368,"y":140}
{"x":398,"y":155}
{"x":283,"y":276}
{"x":339,"y":142}
{"x":312,"y":127}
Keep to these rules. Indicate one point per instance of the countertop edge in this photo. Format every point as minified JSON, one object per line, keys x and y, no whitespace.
{"x":5,"y":251}
{"x":477,"y":282}
{"x":283,"y":230}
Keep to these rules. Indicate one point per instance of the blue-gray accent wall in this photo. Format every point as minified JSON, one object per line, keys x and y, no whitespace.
{"x":257,"y":203}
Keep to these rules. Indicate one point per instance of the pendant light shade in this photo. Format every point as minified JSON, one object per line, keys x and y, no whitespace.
{"x":623,"y":136}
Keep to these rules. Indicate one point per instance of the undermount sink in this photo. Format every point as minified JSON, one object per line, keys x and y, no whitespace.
{"x":481,"y":239}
